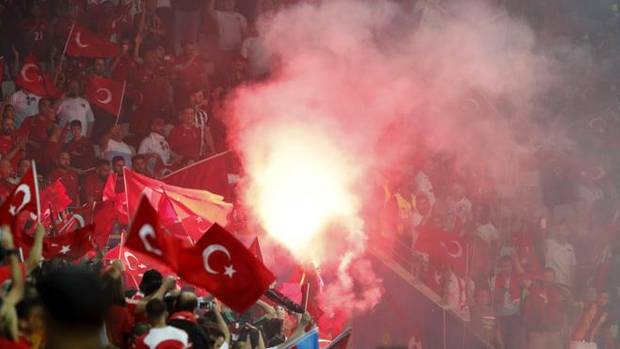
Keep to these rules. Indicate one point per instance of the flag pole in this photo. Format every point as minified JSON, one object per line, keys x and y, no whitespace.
{"x":64,"y":52}
{"x":120,"y":105}
{"x":36,"y":190}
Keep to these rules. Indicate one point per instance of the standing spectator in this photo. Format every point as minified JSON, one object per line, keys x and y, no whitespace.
{"x":506,"y":286}
{"x":53,"y":146}
{"x":161,"y":336}
{"x":201,"y":120}
{"x":560,"y":254}
{"x":184,"y":318}
{"x":94,"y":183}
{"x":483,"y":318}
{"x":74,"y":107}
{"x":79,"y":147}
{"x":138,"y":165}
{"x":67,"y":176}
{"x":254,"y":51}
{"x":155,"y":146}
{"x":231,"y":28}
{"x":185,"y":136}
{"x":23,"y":167}
{"x":544,"y":313}
{"x":186,"y":21}
{"x":25,"y":103}
{"x":12,"y":148}
{"x":149,"y":25}
{"x":35,"y":128}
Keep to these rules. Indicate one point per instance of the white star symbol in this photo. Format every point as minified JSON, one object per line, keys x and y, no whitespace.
{"x":229,"y":271}
{"x":65,"y":249}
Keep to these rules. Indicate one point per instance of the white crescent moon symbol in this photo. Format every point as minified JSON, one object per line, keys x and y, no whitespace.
{"x":14,"y":210}
{"x":25,"y":71}
{"x":78,"y":41}
{"x":128,"y":254}
{"x":459,"y":252}
{"x":207,"y":253}
{"x":107,"y":93}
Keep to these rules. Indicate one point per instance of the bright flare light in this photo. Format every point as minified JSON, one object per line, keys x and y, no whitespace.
{"x":300,"y":182}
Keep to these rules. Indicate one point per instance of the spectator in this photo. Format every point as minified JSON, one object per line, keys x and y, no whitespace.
{"x":23,"y":167}
{"x":35,"y":128}
{"x":119,"y":320}
{"x":95,"y":182}
{"x":184,"y":137}
{"x":254,"y":51}
{"x":560,"y":254}
{"x":184,"y":318}
{"x":483,"y":318}
{"x":506,"y":286}
{"x":118,"y":164}
{"x":113,"y":145}
{"x":231,"y":28}
{"x":544,"y":313}
{"x":138,"y":164}
{"x":591,"y":324}
{"x":74,"y":107}
{"x":160,"y":335}
{"x":67,"y":176}
{"x":12,"y":147}
{"x":25,"y":104}
{"x":6,"y":185}
{"x":155,"y":146}
{"x":201,"y":120}
{"x":149,"y":25}
{"x":8,"y":111}
{"x":53,"y":146}
{"x":79,"y":147}
{"x":186,"y":21}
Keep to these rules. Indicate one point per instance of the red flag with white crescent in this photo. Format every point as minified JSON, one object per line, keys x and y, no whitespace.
{"x":84,"y":43}
{"x":23,"y":200}
{"x":107,"y":94}
{"x":33,"y":79}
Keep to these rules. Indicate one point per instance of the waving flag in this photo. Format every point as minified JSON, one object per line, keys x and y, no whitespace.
{"x":107,"y":94}
{"x":220,"y":264}
{"x":197,"y":209}
{"x":32,"y":78}
{"x":442,"y":247}
{"x":24,"y":199}
{"x":83,"y":43}
{"x":147,"y":238}
{"x":54,"y":199}
{"x":209,"y":174}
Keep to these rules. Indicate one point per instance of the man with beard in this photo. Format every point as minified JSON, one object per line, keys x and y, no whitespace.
{"x":95,"y":182}
{"x":74,"y":107}
{"x":67,"y":176}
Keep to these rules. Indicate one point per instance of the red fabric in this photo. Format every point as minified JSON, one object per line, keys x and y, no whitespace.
{"x":119,"y":325}
{"x":134,"y":267}
{"x":169,"y":219}
{"x":511,"y":281}
{"x":54,"y":199}
{"x":6,"y":189}
{"x":105,"y":93}
{"x":147,"y":238}
{"x":190,"y":205}
{"x":7,"y":144}
{"x":442,"y":248}
{"x":117,"y":200}
{"x":185,"y":316}
{"x":45,"y":159}
{"x":236,"y":277}
{"x":125,"y":70}
{"x":93,"y":188}
{"x":184,"y":141}
{"x":71,"y":182}
{"x":32,"y":78}
{"x":35,"y":129}
{"x":22,"y":343}
{"x":23,"y":199}
{"x":82,"y":153}
{"x":84,"y":43}
{"x":209,"y":174}
{"x":71,"y":246}
{"x":255,"y":249}
{"x":5,"y":274}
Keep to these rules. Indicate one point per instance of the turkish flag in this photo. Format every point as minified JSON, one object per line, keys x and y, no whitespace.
{"x":107,"y":94}
{"x":73,"y":245}
{"x":83,"y":43}
{"x":255,"y":248}
{"x":23,"y":200}
{"x":54,"y":199}
{"x":197,"y":209}
{"x":135,"y":266}
{"x":116,"y":200}
{"x":224,"y":267}
{"x":442,"y":247}
{"x":170,"y":221}
{"x":209,"y":174}
{"x":32,"y":78}
{"x":147,"y":238}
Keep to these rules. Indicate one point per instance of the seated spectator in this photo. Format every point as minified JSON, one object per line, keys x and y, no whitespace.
{"x":185,"y":319}
{"x":75,"y":304}
{"x":79,"y":147}
{"x":160,"y":335}
{"x":184,"y":137}
{"x":67,"y":176}
{"x":8,"y":112}
{"x":74,"y":107}
{"x":155,"y":147}
{"x":139,"y":165}
{"x":113,"y":145}
{"x":95,"y":182}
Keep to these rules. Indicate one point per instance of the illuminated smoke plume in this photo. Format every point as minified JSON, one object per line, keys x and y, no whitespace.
{"x":357,"y":81}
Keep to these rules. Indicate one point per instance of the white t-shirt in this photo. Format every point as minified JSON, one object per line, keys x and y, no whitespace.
{"x":561,"y":258}
{"x":75,"y":108}
{"x":230,"y":29}
{"x":165,"y":337}
{"x":259,"y":59}
{"x":26,"y":104}
{"x":156,"y":144}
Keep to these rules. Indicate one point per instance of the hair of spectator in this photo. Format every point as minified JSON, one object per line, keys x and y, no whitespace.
{"x":151,"y":281}
{"x":155,"y":309}
{"x":186,"y":301}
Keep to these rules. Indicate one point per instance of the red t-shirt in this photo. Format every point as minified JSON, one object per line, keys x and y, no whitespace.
{"x":82,"y":153}
{"x":119,"y":325}
{"x":21,"y":343}
{"x":93,"y":188}
{"x":8,"y":143}
{"x":185,"y":142}
{"x":35,"y":128}
{"x":70,"y":180}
